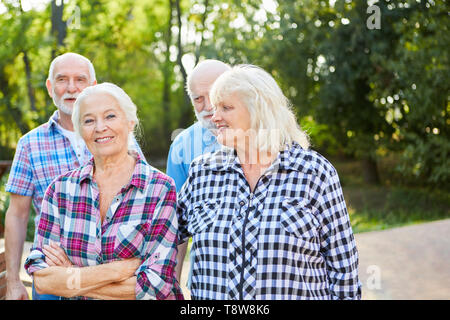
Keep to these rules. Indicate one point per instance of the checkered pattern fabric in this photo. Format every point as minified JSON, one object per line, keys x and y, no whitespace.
{"x":140,"y":222}
{"x":288,"y":239}
{"x":42,"y":154}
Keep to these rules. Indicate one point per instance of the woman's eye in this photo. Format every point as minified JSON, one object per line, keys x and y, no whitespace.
{"x":110,"y":116}
{"x":88,"y":121}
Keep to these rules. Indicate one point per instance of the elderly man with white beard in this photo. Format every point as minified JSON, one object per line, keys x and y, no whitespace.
{"x":199,"y":138}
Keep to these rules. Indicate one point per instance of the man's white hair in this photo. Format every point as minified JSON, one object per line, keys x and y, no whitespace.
{"x":51,"y":75}
{"x":205,"y":66}
{"x":124,"y":101}
{"x":271,"y":115}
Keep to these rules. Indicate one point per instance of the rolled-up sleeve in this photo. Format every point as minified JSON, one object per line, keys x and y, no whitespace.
{"x":48,"y":229}
{"x":338,"y":243}
{"x":20,"y":180}
{"x":156,"y":275}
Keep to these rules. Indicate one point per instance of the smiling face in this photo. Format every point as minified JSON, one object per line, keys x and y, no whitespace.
{"x":104,"y":126}
{"x":233,"y":122}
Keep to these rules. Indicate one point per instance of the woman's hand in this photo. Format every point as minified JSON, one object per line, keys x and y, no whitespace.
{"x":55,"y":255}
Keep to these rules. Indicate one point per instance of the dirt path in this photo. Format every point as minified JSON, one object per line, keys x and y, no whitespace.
{"x":410,"y":262}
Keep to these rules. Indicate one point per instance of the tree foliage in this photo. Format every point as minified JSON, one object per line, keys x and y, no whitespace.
{"x":363,"y":92}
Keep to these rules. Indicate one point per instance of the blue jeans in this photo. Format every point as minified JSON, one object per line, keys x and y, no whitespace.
{"x":37,"y":296}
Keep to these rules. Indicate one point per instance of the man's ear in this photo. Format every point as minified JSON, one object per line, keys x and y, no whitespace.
{"x":48,"y":84}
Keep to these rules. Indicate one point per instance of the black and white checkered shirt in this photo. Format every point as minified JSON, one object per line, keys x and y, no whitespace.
{"x":288,"y":239}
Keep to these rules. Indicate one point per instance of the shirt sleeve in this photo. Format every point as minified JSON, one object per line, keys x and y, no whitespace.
{"x":156,"y":275}
{"x":48,"y":229}
{"x":176,"y":168}
{"x":183,"y":205}
{"x":338,"y":243}
{"x":20,"y":180}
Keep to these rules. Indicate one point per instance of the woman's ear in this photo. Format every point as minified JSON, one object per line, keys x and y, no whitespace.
{"x":131,"y":125}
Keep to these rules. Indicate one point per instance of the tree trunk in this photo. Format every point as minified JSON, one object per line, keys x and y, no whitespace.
{"x":30,"y":89}
{"x":370,"y":171}
{"x":59,"y":27}
{"x":166,"y":75}
{"x":27,"y":64}
{"x":186,"y":107}
{"x":199,"y":48}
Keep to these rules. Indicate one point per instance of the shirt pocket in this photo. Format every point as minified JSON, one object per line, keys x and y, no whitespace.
{"x":203,"y":216}
{"x":131,"y":240}
{"x":297,"y":219}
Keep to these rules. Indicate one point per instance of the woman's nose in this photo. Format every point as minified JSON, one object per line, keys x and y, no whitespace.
{"x":215,"y":117}
{"x":100,"y":125}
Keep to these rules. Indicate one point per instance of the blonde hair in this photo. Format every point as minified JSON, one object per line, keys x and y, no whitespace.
{"x":270,"y":111}
{"x":124,"y":101}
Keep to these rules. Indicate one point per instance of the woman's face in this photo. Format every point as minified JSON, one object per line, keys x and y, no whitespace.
{"x":232,"y":120}
{"x":104,"y":126}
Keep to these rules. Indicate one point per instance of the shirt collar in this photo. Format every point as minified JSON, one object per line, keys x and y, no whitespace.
{"x":53,"y":121}
{"x":138,"y":179}
{"x":222,"y":160}
{"x":293,"y":157}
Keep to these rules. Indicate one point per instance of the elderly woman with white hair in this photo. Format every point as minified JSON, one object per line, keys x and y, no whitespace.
{"x":107,"y":230}
{"x":266,"y":213}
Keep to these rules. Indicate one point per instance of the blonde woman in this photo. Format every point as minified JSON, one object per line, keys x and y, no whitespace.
{"x":266,"y":213}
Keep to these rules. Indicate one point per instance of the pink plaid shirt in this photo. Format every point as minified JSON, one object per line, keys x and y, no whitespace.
{"x":140,"y":222}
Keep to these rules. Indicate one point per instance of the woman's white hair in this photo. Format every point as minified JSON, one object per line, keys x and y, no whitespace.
{"x":124,"y":101}
{"x":272,"y":118}
{"x":71,"y":54}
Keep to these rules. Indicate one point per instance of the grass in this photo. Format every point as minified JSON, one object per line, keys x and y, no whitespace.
{"x":387,"y":206}
{"x":370,"y":207}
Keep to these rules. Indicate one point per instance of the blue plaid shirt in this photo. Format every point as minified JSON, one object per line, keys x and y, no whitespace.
{"x":41,"y":155}
{"x":288,"y":239}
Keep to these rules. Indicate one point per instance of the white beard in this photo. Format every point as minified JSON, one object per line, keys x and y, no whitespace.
{"x":208,"y":124}
{"x":59,"y":102}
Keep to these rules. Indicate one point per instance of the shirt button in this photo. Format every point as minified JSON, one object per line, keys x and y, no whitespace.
{"x":242,"y":203}
{"x":99,"y":259}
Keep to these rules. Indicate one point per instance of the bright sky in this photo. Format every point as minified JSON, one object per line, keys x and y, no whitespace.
{"x":27,"y":4}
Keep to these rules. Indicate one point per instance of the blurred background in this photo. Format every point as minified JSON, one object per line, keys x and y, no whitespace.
{"x":368,"y":80}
